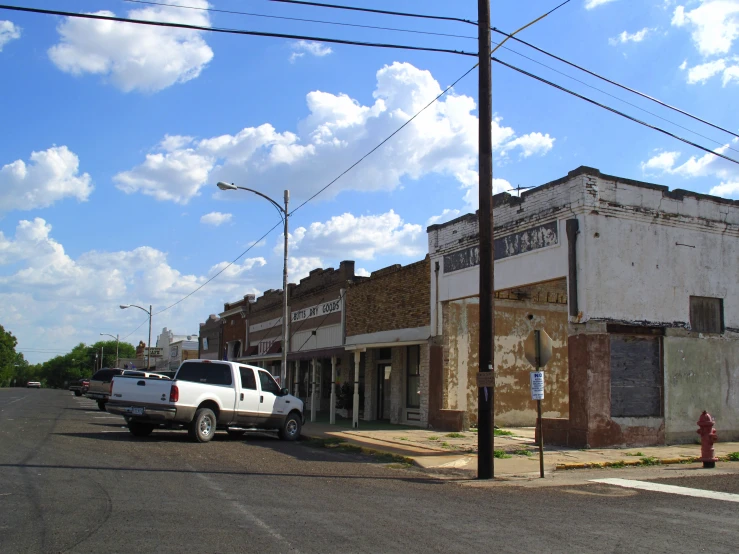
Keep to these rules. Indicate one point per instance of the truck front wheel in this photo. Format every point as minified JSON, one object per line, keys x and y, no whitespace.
{"x":290,"y":430}
{"x":203,"y":425}
{"x":101,"y":405}
{"x":140,"y":429}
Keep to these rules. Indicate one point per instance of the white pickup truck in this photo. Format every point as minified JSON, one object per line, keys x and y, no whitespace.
{"x":206,"y":395}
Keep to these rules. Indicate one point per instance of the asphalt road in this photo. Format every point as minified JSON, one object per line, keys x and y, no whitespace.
{"x":72,"y":479}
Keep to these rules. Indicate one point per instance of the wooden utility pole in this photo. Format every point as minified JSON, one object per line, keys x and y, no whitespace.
{"x":485,"y":468}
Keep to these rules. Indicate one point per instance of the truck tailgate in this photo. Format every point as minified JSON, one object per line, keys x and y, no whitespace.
{"x":140,"y":391}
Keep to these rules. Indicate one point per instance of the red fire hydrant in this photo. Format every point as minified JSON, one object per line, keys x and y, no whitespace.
{"x":708,"y":437}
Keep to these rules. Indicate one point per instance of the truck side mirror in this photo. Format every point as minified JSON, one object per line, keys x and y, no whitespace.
{"x":284,"y":392}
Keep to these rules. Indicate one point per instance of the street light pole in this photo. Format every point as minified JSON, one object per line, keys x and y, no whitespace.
{"x":285,"y":312}
{"x":116,"y":346}
{"x":148,"y":351}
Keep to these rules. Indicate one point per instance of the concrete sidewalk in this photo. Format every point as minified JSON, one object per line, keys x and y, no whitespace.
{"x":515,"y":451}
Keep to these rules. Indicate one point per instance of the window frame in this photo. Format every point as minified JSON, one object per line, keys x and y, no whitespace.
{"x":697,"y":319}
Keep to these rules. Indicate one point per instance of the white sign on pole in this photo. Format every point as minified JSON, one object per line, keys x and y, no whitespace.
{"x":537,"y":385}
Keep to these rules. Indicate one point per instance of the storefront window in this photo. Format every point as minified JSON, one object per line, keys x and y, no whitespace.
{"x":413,"y":381}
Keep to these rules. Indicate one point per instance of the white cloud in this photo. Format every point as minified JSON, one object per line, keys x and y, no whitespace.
{"x":51,"y":175}
{"x":133,"y":56}
{"x":298,"y":267}
{"x":590,"y":4}
{"x":625,"y":37}
{"x":726,"y":190}
{"x":8,"y":31}
{"x":337,"y":131}
{"x":684,"y":65}
{"x":216,"y":218}
{"x":362,"y":238}
{"x":44,"y":292}
{"x":361,"y":272}
{"x":303,"y":47}
{"x":443,"y":217}
{"x":707,"y":165}
{"x":714,"y":25}
{"x":530,"y":144}
{"x":701,"y":73}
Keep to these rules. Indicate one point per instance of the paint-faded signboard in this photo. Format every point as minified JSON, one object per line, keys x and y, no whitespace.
{"x":505,"y":247}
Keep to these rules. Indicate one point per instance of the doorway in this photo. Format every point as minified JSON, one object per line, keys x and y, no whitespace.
{"x":384,"y":371}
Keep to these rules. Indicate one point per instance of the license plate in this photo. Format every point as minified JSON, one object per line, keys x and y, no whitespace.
{"x":137,"y":411}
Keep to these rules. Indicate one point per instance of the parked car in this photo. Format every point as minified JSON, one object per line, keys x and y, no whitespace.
{"x":33,"y":385}
{"x":207,"y":395}
{"x":80,"y":386}
{"x":99,"y":388}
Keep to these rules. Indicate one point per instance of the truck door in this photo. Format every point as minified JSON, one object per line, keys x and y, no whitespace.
{"x":269,"y":409}
{"x":247,"y":406}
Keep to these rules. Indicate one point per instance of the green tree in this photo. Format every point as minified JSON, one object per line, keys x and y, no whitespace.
{"x":8,"y":356}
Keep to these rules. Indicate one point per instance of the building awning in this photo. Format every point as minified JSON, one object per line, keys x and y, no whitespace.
{"x":276,"y":348}
{"x":318,"y":353}
{"x":397,"y":337}
{"x":251,"y":350}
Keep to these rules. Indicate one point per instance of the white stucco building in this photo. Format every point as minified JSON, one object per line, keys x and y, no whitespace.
{"x":172,"y":349}
{"x":639,"y":288}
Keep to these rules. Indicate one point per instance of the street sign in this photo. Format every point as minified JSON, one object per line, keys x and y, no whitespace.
{"x":545,"y":348}
{"x":153,"y":352}
{"x":537,"y":385}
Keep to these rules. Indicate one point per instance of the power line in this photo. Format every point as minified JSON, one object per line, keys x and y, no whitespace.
{"x":304,"y":20}
{"x":451,"y":35}
{"x":383,"y":12}
{"x":391,"y":135}
{"x":616,"y":97}
{"x":232,"y":31}
{"x":654,"y":127}
{"x":643,"y":95}
{"x":221,"y":271}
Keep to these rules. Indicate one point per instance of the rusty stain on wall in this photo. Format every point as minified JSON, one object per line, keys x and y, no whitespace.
{"x":547,"y":304}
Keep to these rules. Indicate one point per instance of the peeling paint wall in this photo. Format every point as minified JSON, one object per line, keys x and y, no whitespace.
{"x":513,"y":405}
{"x":701,"y":373}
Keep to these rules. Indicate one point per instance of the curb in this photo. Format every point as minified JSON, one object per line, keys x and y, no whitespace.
{"x":346,"y":445}
{"x":632,"y":463}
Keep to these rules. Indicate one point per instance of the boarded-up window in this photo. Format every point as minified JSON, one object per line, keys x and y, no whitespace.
{"x":706,"y":314}
{"x":636,"y":376}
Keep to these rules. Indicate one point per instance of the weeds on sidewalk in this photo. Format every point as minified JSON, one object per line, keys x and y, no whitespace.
{"x":649,"y":461}
{"x":734,"y":456}
{"x":454,"y":435}
{"x":522,"y":452}
{"x":501,"y":454}
{"x":502,"y":433}
{"x":434,"y":438}
{"x":634,"y":454}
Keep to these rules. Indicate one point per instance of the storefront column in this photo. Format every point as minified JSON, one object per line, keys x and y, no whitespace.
{"x":296,"y":378}
{"x":355,"y":404}
{"x":332,"y":408}
{"x":313,"y":392}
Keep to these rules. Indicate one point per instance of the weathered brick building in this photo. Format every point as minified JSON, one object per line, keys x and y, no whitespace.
{"x":210,"y":338}
{"x":387,"y":329}
{"x":638,"y":287}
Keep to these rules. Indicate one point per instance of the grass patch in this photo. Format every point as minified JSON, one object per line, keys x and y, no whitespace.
{"x":501,"y":454}
{"x":446,"y":445}
{"x":649,"y":461}
{"x":619,"y":464}
{"x":634,"y":454}
{"x":434,"y":438}
{"x":473,"y":429}
{"x":502,"y":433}
{"x":353,"y":448}
{"x":523,"y":452}
{"x":454,"y":435}
{"x":403,"y":438}
{"x":387,"y":458}
{"x":734,"y":456}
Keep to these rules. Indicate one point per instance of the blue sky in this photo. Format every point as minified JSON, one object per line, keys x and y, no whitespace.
{"x":114,"y":136}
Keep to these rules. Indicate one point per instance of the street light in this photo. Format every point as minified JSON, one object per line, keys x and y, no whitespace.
{"x":284,"y":214}
{"x":116,"y":346}
{"x":148,"y":352}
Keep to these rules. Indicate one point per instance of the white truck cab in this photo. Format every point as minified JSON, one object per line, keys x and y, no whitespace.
{"x":206,"y":395}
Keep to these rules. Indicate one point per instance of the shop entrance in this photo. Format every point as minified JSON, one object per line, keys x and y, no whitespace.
{"x":384,"y":370}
